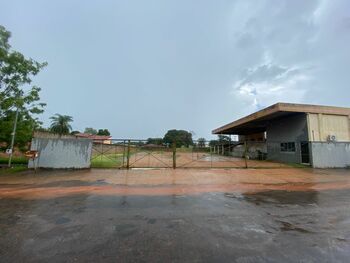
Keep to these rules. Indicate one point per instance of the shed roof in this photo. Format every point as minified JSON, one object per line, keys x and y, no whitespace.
{"x":93,"y":136}
{"x":257,"y":122}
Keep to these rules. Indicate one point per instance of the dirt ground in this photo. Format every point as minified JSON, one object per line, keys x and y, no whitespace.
{"x":183,"y":215}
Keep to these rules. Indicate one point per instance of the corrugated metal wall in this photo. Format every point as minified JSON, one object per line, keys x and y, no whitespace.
{"x":61,"y":153}
{"x":330,"y":155}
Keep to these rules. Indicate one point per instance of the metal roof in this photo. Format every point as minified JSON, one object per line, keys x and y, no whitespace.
{"x":258,"y":121}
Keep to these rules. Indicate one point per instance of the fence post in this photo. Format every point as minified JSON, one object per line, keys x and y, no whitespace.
{"x":123,"y":154}
{"x":101,"y":155}
{"x":245,"y":154}
{"x":174,"y":155}
{"x":128,"y":156}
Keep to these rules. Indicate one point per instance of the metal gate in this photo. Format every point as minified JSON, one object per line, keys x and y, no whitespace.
{"x":120,"y":153}
{"x":131,"y":153}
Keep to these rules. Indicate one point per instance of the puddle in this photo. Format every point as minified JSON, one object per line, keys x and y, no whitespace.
{"x":283,"y":197}
{"x":238,"y":196}
{"x":286,"y":226}
{"x":72,"y":183}
{"x":151,"y":221}
{"x":125,"y":230}
{"x":62,"y":220}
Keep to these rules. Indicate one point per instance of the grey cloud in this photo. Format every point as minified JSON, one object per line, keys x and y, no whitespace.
{"x":142,"y":67}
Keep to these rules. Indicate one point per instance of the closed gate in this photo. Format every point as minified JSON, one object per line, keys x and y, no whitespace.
{"x":130,"y":153}
{"x":119,"y":153}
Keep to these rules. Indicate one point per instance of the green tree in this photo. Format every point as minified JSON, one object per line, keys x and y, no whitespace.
{"x":16,"y":72}
{"x":91,"y":131}
{"x":104,"y":132}
{"x":181,"y":137}
{"x":201,"y":142}
{"x":213,"y":143}
{"x":60,"y":124}
{"x":74,"y":132}
{"x":157,"y":141}
{"x":25,"y":127}
{"x":42,"y":129}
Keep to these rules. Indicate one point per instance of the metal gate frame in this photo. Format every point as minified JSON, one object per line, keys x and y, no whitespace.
{"x":118,"y":153}
{"x":136,"y":153}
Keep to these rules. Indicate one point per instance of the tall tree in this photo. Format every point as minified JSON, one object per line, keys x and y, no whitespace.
{"x":180,"y":137}
{"x":16,"y":72}
{"x":60,"y":124}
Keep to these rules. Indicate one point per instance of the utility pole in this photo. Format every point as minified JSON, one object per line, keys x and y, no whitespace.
{"x":13,"y":138}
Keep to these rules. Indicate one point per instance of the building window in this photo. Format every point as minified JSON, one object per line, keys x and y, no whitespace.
{"x":287,"y":146}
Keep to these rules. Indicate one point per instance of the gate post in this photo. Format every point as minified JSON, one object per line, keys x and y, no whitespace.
{"x":128,"y":156}
{"x":123,"y":154}
{"x":174,"y":155}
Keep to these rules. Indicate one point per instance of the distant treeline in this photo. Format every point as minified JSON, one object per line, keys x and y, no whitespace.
{"x":183,"y":138}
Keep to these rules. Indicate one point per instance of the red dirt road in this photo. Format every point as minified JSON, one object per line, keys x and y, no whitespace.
{"x":50,"y":184}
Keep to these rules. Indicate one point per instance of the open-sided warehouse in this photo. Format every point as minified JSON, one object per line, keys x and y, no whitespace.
{"x":298,"y":133}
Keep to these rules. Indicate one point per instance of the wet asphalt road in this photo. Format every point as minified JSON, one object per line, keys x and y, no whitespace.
{"x":263,"y":226}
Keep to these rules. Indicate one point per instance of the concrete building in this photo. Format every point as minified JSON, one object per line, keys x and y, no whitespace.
{"x":298,"y":133}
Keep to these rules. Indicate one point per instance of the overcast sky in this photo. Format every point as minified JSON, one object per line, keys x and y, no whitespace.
{"x":142,"y":67}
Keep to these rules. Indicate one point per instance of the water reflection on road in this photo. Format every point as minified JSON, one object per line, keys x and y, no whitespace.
{"x":262,"y":215}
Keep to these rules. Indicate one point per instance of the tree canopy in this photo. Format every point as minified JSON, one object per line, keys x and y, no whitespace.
{"x":91,"y":131}
{"x":74,"y":132}
{"x":222,"y":139}
{"x":103,"y":132}
{"x":17,"y":92}
{"x":201,"y":142}
{"x":60,"y":124}
{"x":180,"y":137}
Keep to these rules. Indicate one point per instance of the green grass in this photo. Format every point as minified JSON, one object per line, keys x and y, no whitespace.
{"x":18,"y":164}
{"x":13,"y":170}
{"x":15,"y":160}
{"x":107,"y":161}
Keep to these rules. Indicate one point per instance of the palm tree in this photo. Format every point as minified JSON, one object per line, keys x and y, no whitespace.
{"x":60,"y":124}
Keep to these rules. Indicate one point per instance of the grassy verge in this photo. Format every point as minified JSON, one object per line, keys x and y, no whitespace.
{"x":13,"y":170}
{"x":107,"y":161}
{"x":15,"y":160}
